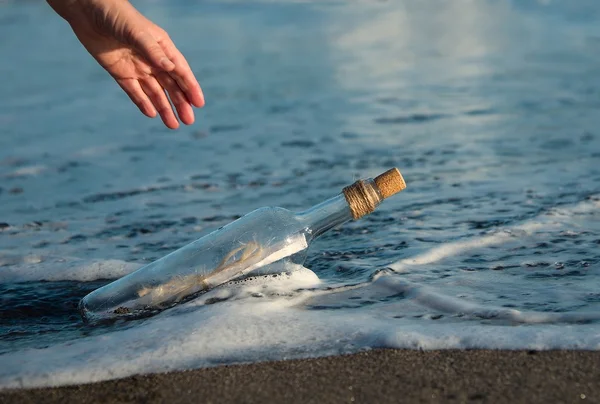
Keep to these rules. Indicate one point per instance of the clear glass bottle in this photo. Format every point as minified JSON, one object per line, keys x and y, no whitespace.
{"x":255,"y":240}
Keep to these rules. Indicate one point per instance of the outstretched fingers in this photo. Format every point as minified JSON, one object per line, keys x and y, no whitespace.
{"x":159,"y":98}
{"x":149,"y":96}
{"x":135,"y":92}
{"x":182,"y":73}
{"x":169,"y":72}
{"x":178,"y":98}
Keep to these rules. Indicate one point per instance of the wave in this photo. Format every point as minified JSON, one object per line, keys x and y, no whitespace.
{"x":549,"y":220}
{"x":290,"y":313}
{"x":269,"y":317}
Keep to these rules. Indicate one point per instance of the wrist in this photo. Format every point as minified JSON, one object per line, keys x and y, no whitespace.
{"x":65,"y":8}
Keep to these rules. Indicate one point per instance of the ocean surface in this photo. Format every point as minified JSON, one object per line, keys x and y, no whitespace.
{"x":490,"y":109}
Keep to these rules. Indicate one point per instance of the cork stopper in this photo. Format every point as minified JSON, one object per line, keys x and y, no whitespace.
{"x":365,"y":195}
{"x":390,"y":183}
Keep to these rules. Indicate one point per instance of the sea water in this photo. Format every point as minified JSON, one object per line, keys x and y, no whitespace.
{"x":489,"y":108}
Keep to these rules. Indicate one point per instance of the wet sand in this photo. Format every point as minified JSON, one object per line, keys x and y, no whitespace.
{"x":381,"y":376}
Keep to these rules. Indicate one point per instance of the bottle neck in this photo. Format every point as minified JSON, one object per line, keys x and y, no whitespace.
{"x":326,"y":215}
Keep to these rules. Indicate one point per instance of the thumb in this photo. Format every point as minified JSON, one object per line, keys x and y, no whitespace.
{"x":152,"y":51}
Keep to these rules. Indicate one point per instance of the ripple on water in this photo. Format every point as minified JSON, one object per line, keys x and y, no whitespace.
{"x":414,"y":118}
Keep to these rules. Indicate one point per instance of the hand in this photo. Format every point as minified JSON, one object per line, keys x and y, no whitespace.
{"x":138,"y":54}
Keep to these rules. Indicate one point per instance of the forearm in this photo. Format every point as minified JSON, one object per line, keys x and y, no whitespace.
{"x":74,"y":10}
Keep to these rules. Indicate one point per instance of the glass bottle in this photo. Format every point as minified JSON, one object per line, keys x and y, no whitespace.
{"x":255,"y":240}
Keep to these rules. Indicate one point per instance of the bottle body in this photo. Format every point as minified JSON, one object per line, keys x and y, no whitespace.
{"x":253,"y":241}
{"x":260,"y":238}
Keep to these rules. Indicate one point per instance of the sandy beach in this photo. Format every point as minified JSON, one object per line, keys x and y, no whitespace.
{"x":382,"y":376}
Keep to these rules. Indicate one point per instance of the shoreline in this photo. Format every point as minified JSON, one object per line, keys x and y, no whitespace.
{"x":381,"y":375}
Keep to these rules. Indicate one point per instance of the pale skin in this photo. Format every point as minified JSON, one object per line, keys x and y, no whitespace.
{"x":138,"y":54}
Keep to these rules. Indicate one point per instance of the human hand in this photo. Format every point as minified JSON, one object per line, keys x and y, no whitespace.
{"x":138,"y":54}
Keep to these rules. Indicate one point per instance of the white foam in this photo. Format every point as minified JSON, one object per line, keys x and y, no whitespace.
{"x":50,"y":268}
{"x":191,"y":335}
{"x":276,"y":325}
{"x":27,"y":171}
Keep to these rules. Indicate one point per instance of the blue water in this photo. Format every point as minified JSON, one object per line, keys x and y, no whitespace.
{"x":489,"y":109}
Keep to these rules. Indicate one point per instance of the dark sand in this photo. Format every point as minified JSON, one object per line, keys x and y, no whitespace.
{"x":380,"y":376}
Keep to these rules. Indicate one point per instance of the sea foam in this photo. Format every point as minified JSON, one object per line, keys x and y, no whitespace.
{"x":269,"y":317}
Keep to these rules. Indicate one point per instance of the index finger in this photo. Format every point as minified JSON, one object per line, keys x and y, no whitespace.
{"x":183,"y":75}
